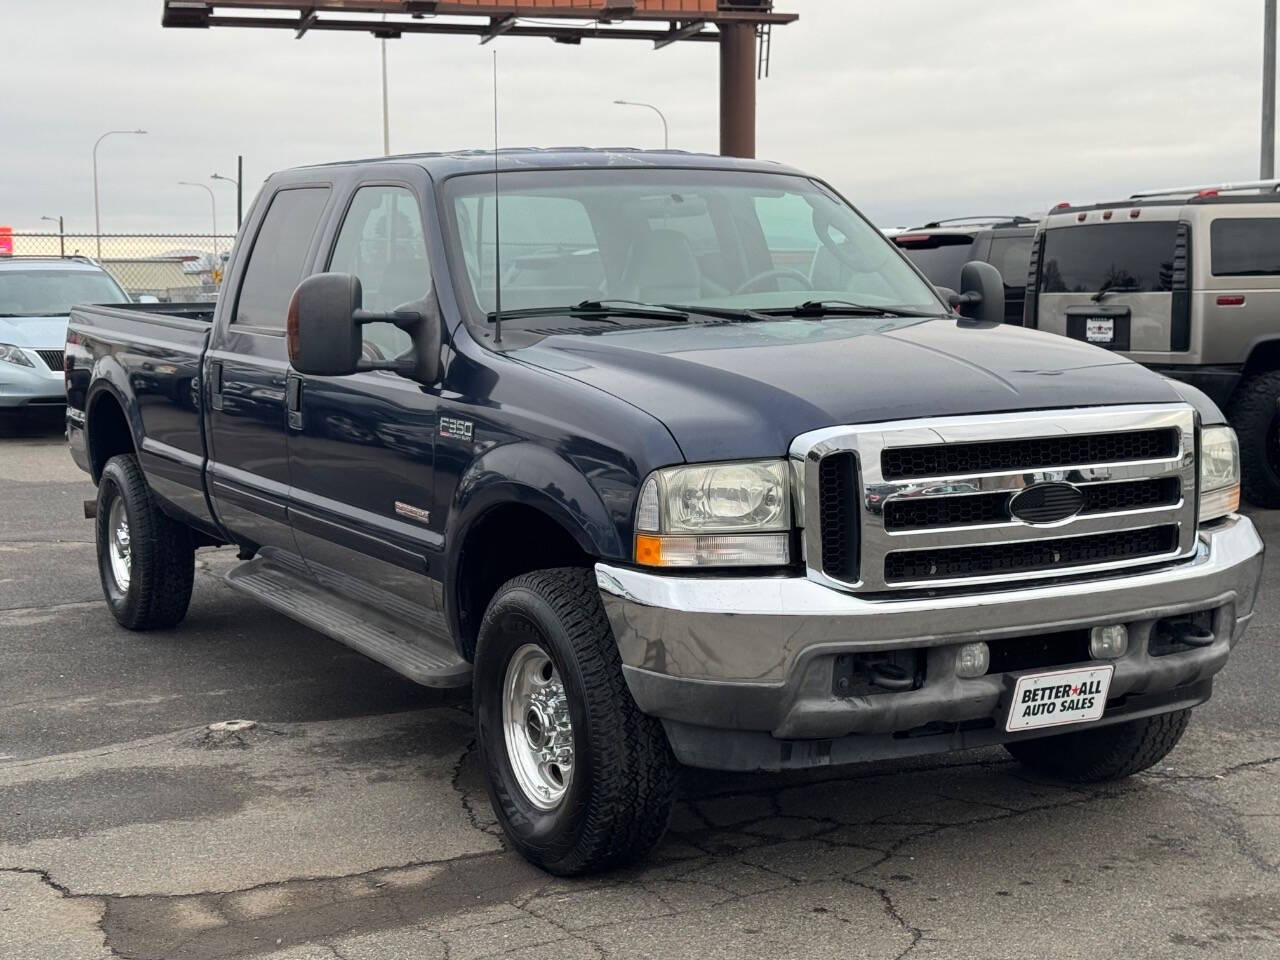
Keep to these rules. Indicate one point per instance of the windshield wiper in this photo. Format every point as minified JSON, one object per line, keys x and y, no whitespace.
{"x":602,"y":310}
{"x":1111,"y":287}
{"x":844,"y":308}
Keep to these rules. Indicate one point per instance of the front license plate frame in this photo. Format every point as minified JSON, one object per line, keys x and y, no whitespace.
{"x":1056,"y":698}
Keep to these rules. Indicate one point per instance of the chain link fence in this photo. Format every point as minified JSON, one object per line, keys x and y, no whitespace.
{"x":172,"y":267}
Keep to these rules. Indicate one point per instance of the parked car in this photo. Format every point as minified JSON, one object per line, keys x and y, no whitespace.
{"x":713,"y":477}
{"x":941,"y":248}
{"x":36,"y":296}
{"x":1187,"y":282}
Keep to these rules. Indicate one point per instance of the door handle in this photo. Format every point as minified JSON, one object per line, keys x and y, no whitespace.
{"x":293,"y":400}
{"x":215,"y":384}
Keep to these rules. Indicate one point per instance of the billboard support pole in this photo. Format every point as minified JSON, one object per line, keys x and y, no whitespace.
{"x":738,"y":89}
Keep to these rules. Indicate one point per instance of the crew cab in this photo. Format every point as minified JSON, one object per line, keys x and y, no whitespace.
{"x":674,"y":459}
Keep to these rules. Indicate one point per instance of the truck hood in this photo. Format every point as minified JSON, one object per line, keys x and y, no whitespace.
{"x":34,"y":333}
{"x":740,"y":390}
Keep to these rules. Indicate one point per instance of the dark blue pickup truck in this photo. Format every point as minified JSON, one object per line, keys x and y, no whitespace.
{"x":674,"y":459}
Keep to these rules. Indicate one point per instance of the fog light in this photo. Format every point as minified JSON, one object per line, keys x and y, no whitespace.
{"x":1110,"y":642}
{"x":973,"y":659}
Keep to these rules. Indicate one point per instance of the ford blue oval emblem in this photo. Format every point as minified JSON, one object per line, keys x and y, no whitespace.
{"x":1046,"y":503}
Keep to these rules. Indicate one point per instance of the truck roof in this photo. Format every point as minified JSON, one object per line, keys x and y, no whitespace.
{"x":447,"y":164}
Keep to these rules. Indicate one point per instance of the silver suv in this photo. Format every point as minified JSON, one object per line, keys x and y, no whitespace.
{"x":1185,"y":281}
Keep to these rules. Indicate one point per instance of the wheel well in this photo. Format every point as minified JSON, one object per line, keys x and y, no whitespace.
{"x":505,"y":542}
{"x":108,"y":432}
{"x":1263,"y":357}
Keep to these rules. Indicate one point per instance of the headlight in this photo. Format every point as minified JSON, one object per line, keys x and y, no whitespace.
{"x":14,"y":355}
{"x":715,"y":515}
{"x":1219,"y":473}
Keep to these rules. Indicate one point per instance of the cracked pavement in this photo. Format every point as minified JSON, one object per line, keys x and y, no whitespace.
{"x":352,"y":823}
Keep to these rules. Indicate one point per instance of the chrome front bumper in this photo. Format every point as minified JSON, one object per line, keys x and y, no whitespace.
{"x":757,"y":654}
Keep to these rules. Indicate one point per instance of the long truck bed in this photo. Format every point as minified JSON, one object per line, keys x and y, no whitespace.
{"x":149,"y":357}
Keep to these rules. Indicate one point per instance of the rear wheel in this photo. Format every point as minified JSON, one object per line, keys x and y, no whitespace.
{"x":1104,"y":753}
{"x":146,"y":560}
{"x":1256,"y":420}
{"x":578,"y":777}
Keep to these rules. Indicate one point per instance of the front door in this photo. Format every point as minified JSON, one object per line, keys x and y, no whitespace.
{"x":361,"y":446}
{"x":247,"y":373}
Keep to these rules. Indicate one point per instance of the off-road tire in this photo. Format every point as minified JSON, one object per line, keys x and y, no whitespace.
{"x":618,"y":802}
{"x":162,"y":556}
{"x":1254,"y":415}
{"x":1104,"y":753}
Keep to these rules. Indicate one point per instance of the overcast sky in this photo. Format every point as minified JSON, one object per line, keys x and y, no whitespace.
{"x":914,"y":108}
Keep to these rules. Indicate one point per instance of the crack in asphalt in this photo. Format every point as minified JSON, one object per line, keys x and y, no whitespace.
{"x":757,"y":835}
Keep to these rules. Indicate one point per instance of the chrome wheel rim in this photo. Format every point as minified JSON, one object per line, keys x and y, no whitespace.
{"x":537,"y":727}
{"x":118,"y":547}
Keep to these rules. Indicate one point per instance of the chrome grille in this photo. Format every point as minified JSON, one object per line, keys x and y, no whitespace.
{"x":52,"y":358}
{"x":927,"y":502}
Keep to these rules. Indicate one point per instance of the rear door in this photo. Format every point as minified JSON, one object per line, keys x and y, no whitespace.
{"x":1117,"y":281}
{"x":1237,"y":303}
{"x":362,"y":446}
{"x":247,"y":370}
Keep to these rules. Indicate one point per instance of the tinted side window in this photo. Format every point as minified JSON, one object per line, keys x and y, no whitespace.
{"x":1012,"y":257}
{"x":278,"y":256}
{"x":1137,"y":257}
{"x":1245,"y":248}
{"x":939,"y":256}
{"x":382,"y":243}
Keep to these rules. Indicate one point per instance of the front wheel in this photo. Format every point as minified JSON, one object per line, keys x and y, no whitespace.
{"x":146,"y":560}
{"x":578,"y":777}
{"x":1104,"y":753}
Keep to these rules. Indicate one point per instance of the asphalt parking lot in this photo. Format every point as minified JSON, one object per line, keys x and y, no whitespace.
{"x":351,"y":823}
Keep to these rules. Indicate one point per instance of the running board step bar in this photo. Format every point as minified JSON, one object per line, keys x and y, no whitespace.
{"x":413,"y":649}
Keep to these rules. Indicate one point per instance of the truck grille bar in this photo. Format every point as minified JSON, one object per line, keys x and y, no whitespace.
{"x":929,"y":503}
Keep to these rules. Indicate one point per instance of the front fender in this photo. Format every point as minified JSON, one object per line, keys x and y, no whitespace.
{"x":530,"y":474}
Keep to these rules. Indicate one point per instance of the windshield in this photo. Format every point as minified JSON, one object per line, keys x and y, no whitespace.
{"x":699,"y":238}
{"x":52,"y":293}
{"x":1134,"y":257}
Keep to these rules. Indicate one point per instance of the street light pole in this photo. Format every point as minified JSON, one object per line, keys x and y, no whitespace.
{"x":213,"y":204}
{"x":62,"y":235}
{"x":218,"y":176}
{"x":386,"y":114}
{"x":97,"y":216}
{"x":666,"y":134}
{"x":1269,"y":90}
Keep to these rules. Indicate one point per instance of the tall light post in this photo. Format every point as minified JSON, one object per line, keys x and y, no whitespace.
{"x":666,"y":134}
{"x":1269,"y":89}
{"x":62,"y":235}
{"x":386,"y":112}
{"x":97,"y":216}
{"x":213,"y":205}
{"x":218,"y":176}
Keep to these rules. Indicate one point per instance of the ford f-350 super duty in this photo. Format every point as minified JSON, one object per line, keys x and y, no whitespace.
{"x":672,"y":459}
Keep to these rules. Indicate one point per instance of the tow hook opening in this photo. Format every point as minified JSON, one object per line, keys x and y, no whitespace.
{"x":868,"y":674}
{"x":1182,"y":633}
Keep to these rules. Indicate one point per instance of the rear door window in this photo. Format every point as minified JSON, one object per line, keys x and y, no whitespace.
{"x":279,"y":256}
{"x":1012,"y":257}
{"x":1132,"y":257}
{"x":1245,"y":248}
{"x":939,"y":255}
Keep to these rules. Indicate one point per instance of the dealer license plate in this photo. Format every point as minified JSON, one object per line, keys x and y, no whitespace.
{"x":1100,"y":329}
{"x":1060,"y":697}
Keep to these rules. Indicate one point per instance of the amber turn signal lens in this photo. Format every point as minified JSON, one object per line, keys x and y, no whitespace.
{"x":649,"y":551}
